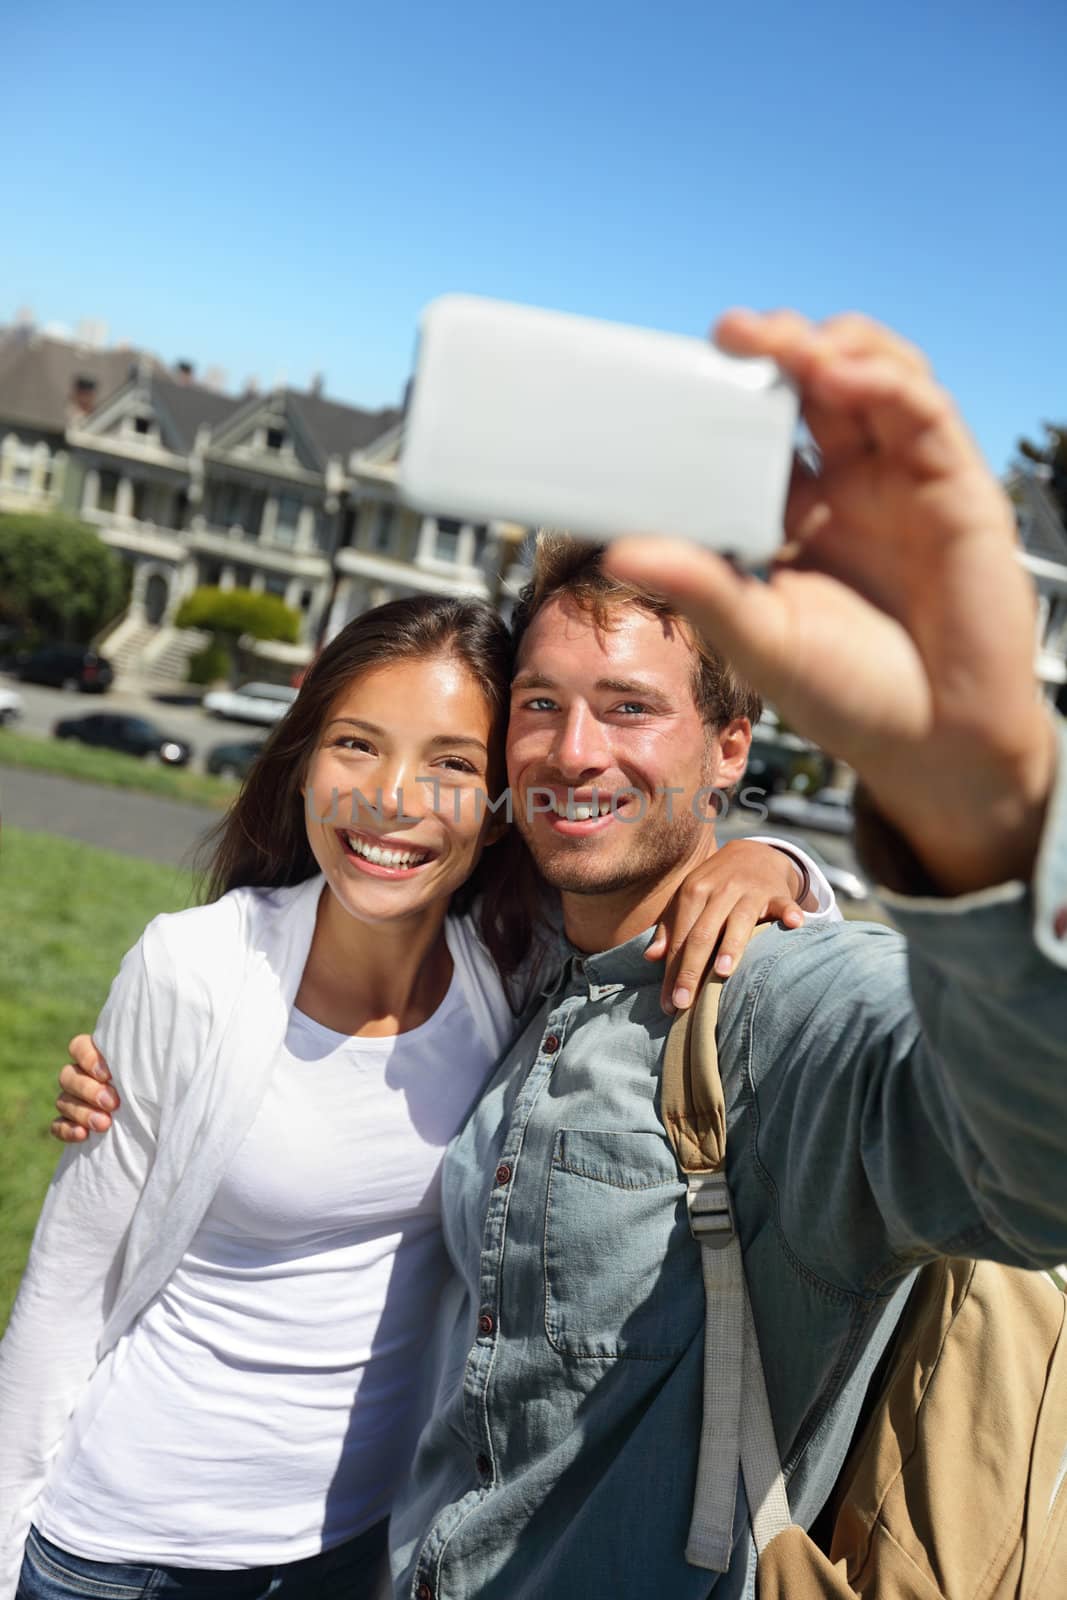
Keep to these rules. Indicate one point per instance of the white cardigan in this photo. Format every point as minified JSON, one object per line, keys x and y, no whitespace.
{"x":191,"y":1027}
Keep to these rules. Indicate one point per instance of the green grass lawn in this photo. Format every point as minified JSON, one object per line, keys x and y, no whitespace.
{"x":69,"y":914}
{"x":73,"y":760}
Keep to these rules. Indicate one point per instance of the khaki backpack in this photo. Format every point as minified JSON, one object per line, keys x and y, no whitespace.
{"x":954,"y":1488}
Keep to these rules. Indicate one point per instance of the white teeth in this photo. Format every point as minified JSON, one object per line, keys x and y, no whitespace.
{"x":384,"y":857}
{"x":581,"y":810}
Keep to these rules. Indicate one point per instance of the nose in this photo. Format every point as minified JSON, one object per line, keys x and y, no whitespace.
{"x":580,"y":749}
{"x":396,"y":795}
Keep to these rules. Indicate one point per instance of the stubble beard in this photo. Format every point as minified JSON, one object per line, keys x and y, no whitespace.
{"x":656,"y":847}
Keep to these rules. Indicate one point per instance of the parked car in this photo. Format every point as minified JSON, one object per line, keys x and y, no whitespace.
{"x":67,"y":666}
{"x":10,"y":706}
{"x":14,"y":647}
{"x":135,"y":736}
{"x":777,"y":762}
{"x":252,"y":702}
{"x":828,"y":811}
{"x":234,"y":760}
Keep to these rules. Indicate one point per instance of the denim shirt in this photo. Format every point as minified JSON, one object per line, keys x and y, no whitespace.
{"x":889,"y":1098}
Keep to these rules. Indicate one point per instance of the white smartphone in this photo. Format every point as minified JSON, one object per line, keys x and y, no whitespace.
{"x":565,"y":422}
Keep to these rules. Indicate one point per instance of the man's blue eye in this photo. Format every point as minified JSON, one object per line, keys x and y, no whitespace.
{"x":541,"y":703}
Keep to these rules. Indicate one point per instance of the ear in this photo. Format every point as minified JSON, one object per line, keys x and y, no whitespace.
{"x":730,"y":747}
{"x":497,"y":828}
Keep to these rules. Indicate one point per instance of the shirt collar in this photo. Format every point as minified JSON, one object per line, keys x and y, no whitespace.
{"x":606,"y":971}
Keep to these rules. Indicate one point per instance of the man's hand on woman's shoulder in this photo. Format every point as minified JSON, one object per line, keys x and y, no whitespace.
{"x":87,"y":1096}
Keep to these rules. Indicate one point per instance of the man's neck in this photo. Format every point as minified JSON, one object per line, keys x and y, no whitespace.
{"x":595,"y":922}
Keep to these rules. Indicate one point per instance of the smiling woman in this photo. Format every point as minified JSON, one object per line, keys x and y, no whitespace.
{"x":336,"y":944}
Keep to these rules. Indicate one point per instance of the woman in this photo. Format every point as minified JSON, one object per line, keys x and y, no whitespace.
{"x":214,"y":1389}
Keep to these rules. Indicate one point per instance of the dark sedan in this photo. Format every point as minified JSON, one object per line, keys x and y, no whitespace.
{"x":234,"y":760}
{"x":134,"y":736}
{"x":67,"y":666}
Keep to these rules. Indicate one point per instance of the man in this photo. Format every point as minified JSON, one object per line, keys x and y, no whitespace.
{"x":870,"y":1126}
{"x":886,"y":1101}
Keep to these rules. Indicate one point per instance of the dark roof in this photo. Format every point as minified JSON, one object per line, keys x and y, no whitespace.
{"x":1040,"y":525}
{"x":189,"y":405}
{"x":336,"y":429}
{"x":37,"y":374}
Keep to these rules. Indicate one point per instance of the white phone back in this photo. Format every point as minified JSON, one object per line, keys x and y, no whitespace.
{"x":596,"y":428}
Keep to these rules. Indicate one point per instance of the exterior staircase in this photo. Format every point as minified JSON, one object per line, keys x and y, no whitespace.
{"x":125,"y":643}
{"x":166,"y":658}
{"x":146,"y":652}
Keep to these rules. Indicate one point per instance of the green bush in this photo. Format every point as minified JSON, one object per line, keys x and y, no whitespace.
{"x":210,"y":664}
{"x":58,"y":580}
{"x":232,"y":612}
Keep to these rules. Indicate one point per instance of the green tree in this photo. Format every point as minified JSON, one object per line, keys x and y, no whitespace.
{"x":228,"y":614}
{"x":58,"y":580}
{"x":1053,"y":456}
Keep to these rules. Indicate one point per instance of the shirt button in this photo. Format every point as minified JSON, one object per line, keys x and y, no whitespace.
{"x":551,"y":1044}
{"x":484,"y":1465}
{"x":503,"y":1173}
{"x":1059,"y":923}
{"x":486,"y":1324}
{"x":424,"y":1592}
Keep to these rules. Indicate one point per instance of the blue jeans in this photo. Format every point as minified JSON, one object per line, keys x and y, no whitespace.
{"x":354,"y":1570}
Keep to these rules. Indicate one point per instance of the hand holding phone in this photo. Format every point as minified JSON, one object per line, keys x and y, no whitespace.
{"x":596,"y":428}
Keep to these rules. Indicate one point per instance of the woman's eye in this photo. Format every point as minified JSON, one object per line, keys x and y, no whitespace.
{"x":456,"y":764}
{"x":349,"y":741}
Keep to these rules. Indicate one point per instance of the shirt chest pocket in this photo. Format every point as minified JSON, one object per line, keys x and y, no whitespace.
{"x":622,"y":1273}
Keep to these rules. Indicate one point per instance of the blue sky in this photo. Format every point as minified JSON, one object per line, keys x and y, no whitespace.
{"x":278,"y":189}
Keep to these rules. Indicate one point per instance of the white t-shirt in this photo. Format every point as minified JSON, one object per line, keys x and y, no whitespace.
{"x":267,"y":1402}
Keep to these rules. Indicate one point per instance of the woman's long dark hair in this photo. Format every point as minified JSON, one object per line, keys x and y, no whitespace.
{"x":262,"y":840}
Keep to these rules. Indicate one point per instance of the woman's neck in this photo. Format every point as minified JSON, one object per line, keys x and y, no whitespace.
{"x":375,"y":979}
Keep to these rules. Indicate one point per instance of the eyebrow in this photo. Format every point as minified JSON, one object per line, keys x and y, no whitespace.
{"x":439,"y":740}
{"x":632,"y":686}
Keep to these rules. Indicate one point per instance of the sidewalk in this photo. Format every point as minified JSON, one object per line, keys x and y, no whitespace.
{"x":144,"y":825}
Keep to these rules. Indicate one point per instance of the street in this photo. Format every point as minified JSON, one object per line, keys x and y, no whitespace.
{"x":146,"y":825}
{"x":43,"y":708}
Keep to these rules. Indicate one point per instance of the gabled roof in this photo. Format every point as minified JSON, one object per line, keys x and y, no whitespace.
{"x":189,"y":406}
{"x":338,"y":429}
{"x":180,"y":408}
{"x":271,"y":406}
{"x":37,"y":375}
{"x":325,"y":427}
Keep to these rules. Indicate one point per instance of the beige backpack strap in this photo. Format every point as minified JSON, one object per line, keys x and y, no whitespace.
{"x":736,"y":1425}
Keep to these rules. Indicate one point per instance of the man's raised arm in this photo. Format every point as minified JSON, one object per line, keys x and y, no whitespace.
{"x":897,"y":628}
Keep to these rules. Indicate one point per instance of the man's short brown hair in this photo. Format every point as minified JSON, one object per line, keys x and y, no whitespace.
{"x":566,"y":566}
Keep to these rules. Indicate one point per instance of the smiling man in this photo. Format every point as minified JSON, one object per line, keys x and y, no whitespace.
{"x":872,"y":1122}
{"x":631,"y":712}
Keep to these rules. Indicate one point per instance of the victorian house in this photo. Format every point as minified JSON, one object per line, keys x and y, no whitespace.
{"x":46,"y":384}
{"x":286,"y":492}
